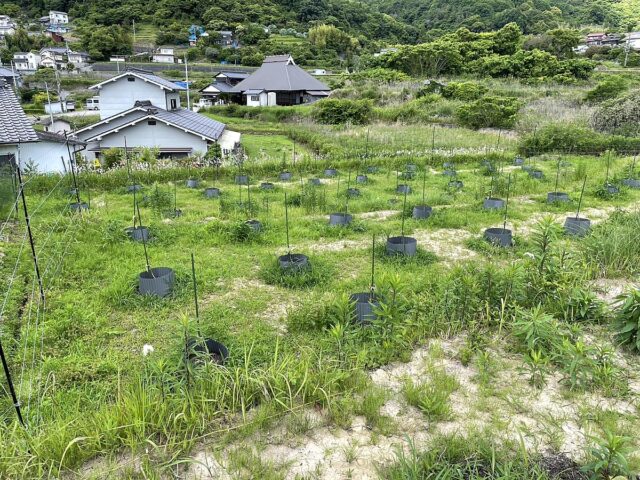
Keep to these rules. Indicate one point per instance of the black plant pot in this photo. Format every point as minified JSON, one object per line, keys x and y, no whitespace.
{"x":294,"y":262}
{"x":315,"y":182}
{"x":362,"y":179}
{"x":212,"y":192}
{"x":457,"y":184}
{"x":407,"y":246}
{"x":537,"y":174}
{"x":134,"y":188}
{"x":242,"y":179}
{"x":493,"y":204}
{"x":256,"y":225}
{"x":353,"y":192}
{"x":192,"y":183}
{"x":612,"y":189}
{"x":448,"y":165}
{"x":559,"y":197}
{"x":411,"y":167}
{"x":372,"y":169}
{"x":158,"y":282}
{"x":340,"y":219}
{"x":527,"y":168}
{"x":285,"y":176}
{"x":577,"y":226}
{"x":421,"y":212}
{"x":631,"y":182}
{"x":403,"y":188}
{"x":330,"y":172}
{"x":364,"y":305}
{"x":77,"y":207}
{"x":138,"y":234}
{"x":486,"y":163}
{"x":518,"y":161}
{"x":449,"y":173}
{"x":175,"y":213}
{"x":267,"y":186}
{"x":407,"y":175}
{"x":207,"y":349}
{"x":500,"y":237}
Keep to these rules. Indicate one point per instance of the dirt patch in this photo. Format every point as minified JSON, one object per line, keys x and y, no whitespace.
{"x":378,"y":215}
{"x":446,"y":243}
{"x":608,"y":289}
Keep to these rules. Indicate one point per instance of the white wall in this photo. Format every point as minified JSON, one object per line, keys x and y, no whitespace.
{"x":261,"y":103}
{"x":46,"y":155}
{"x":159,"y":135}
{"x":175,"y":96}
{"x":121,"y":95}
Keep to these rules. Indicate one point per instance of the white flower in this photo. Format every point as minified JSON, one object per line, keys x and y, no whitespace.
{"x":530,"y":255}
{"x":147,"y":349}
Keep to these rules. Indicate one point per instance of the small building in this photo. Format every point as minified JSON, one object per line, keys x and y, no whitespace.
{"x":58,"y":18}
{"x":139,"y":109}
{"x":58,"y":126}
{"x":7,"y":26}
{"x":601,"y":39}
{"x":632,"y":40}
{"x":79,"y":59}
{"x":11,"y":77}
{"x":26,"y":62}
{"x":227,"y":39}
{"x":164,"y":55}
{"x":220,"y":89}
{"x":279,"y":81}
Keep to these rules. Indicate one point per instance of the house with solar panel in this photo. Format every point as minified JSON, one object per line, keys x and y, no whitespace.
{"x":279,"y":81}
{"x":139,"y":109}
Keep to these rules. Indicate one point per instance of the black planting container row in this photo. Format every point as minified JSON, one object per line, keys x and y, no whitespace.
{"x":407,"y":246}
{"x":340,"y":219}
{"x":577,"y":226}
{"x":500,"y":237}
{"x":158,"y":282}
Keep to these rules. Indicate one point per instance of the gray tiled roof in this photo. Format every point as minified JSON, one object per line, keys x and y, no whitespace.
{"x":14,"y":125}
{"x":5,"y":72}
{"x":57,"y":138}
{"x":144,"y":75}
{"x":185,"y":119}
{"x":279,"y":74}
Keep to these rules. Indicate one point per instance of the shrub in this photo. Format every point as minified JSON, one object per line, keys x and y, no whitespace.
{"x":382,"y":75}
{"x":627,"y":323}
{"x":564,"y":137}
{"x":466,"y":91}
{"x":609,"y":88}
{"x":619,"y":116}
{"x":335,"y":112}
{"x":489,"y":111}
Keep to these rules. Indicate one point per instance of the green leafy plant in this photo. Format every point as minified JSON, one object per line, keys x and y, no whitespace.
{"x":627,"y":320}
{"x":608,"y":457}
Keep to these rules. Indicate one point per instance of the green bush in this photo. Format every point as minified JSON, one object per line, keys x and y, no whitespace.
{"x":563,"y":137}
{"x":382,"y":75}
{"x":335,"y":112}
{"x":609,"y":88}
{"x":466,"y":91}
{"x":489,"y":111}
{"x":619,"y":116}
{"x":627,"y":324}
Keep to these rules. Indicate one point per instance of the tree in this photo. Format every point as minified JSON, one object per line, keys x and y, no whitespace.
{"x":103,"y":42}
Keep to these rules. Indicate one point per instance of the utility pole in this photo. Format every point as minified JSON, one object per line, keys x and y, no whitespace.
{"x":134,"y":32}
{"x":46,"y":86}
{"x":186,"y":75}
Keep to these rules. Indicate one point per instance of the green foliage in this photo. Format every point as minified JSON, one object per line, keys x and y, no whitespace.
{"x":465,"y":91}
{"x":609,"y":457}
{"x":627,"y":320}
{"x":619,"y":116}
{"x":489,"y":111}
{"x":609,"y":88}
{"x":382,"y":75}
{"x":332,"y":38}
{"x":102,"y":42}
{"x":432,"y":396}
{"x":335,"y":112}
{"x":568,"y":137}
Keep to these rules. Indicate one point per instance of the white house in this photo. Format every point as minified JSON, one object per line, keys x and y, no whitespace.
{"x":279,"y":81}
{"x":79,"y":59}
{"x":7,"y":26}
{"x":58,"y":18}
{"x":139,"y":109}
{"x":26,"y":62}
{"x":632,"y":39}
{"x":164,"y":55}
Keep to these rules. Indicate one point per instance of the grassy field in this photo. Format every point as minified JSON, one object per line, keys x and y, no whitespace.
{"x":458,"y":314}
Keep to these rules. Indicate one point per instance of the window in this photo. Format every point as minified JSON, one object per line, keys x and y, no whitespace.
{"x":151,"y":122}
{"x":255,"y":98}
{"x":174,"y":104}
{"x":131,"y":79}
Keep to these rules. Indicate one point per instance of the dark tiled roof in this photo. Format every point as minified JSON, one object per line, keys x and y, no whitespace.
{"x":144,"y":75}
{"x":278,"y":73}
{"x":235,"y":75}
{"x":56,"y":137}
{"x":184,"y":119}
{"x":14,"y":125}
